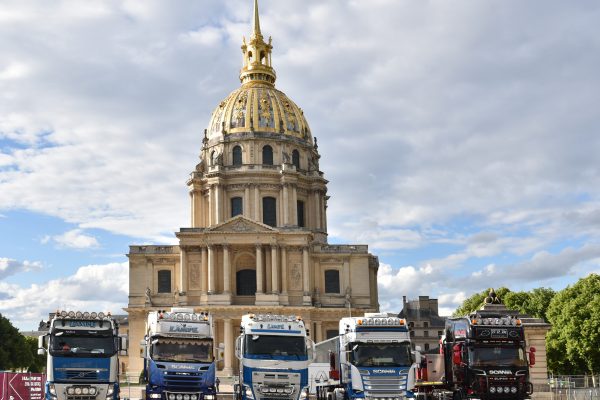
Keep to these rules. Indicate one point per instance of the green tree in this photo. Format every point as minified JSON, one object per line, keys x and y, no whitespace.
{"x":14,"y":353}
{"x":534,"y":303}
{"x":573,"y":344}
{"x":38,"y":362}
{"x":476,"y":301}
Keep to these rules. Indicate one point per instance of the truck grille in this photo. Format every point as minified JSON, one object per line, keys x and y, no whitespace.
{"x":384,"y":386}
{"x":180,"y":382}
{"x":82,"y":375}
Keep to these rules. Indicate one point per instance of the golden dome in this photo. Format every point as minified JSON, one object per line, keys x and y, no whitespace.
{"x":257,"y":106}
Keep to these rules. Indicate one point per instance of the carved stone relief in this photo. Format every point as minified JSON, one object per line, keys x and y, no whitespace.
{"x":296,"y":277}
{"x":195,"y":276}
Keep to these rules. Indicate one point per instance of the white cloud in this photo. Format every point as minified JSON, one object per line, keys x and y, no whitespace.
{"x":10,"y":267}
{"x":92,"y":287}
{"x":74,"y":239}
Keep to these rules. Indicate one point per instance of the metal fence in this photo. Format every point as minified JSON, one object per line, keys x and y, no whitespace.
{"x":575,"y":387}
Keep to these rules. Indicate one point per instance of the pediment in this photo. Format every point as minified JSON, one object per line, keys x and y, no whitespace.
{"x":241,"y":224}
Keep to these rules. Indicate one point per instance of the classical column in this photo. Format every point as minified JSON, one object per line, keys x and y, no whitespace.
{"x":204,"y":281}
{"x":257,"y":216}
{"x":295,"y":206}
{"x":226,"y":270}
{"x":182,"y":270}
{"x":283,"y":270}
{"x":211,"y":205}
{"x":211,"y":269}
{"x":218,"y":205}
{"x":305,"y":271}
{"x":246,"y":207}
{"x":318,"y":332}
{"x":346,"y":268}
{"x":317,"y":201}
{"x":274,"y":271}
{"x":229,"y":345}
{"x":286,"y":205}
{"x":259,"y":270}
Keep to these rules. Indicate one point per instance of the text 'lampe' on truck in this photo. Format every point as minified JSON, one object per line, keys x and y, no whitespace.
{"x":370,"y":359}
{"x":82,"y":352}
{"x":482,"y":356}
{"x":178,"y":355}
{"x":274,"y":353}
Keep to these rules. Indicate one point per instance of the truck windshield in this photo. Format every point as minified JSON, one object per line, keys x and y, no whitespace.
{"x":380,"y":354}
{"x":497,"y":355}
{"x":182,"y":350}
{"x":82,"y":344}
{"x":269,"y":345}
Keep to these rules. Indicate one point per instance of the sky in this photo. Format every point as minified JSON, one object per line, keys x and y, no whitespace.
{"x":460,"y":138}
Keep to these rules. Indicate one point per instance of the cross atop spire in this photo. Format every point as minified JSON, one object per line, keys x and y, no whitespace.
{"x":257,"y":67}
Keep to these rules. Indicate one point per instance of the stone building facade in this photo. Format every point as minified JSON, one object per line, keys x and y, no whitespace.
{"x":258,"y":235}
{"x":426,"y":326}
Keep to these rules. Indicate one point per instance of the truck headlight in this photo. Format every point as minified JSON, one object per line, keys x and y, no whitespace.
{"x":52,"y":389}
{"x":110,"y":392}
{"x":248,"y":391}
{"x":304,"y":393}
{"x":155,"y":395}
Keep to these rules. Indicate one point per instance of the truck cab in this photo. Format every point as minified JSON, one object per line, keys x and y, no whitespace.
{"x":274,"y":352}
{"x":82,"y":350}
{"x":178,"y":355}
{"x":485,"y":357}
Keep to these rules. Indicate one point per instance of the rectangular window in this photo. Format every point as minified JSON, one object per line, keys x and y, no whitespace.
{"x":425,"y":324}
{"x":236,"y":206}
{"x":300,"y":213}
{"x":426,"y":333}
{"x":164,"y":281}
{"x":269,"y":211}
{"x":332,"y":281}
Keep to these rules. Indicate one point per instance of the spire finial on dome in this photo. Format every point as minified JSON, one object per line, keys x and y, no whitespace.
{"x":256,"y":22}
{"x":257,"y":66}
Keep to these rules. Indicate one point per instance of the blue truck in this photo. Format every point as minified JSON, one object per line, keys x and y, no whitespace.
{"x":82,"y":349}
{"x":178,"y":356}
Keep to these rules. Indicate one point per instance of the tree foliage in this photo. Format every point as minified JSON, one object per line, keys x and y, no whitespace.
{"x":573,"y":344}
{"x":38,"y":362}
{"x":14,"y":351}
{"x":534,"y":303}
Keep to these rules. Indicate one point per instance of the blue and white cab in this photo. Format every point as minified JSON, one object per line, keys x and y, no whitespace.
{"x":274,"y":353}
{"x":82,"y":350}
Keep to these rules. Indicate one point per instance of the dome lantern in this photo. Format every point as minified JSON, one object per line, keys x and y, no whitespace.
{"x":257,"y":65}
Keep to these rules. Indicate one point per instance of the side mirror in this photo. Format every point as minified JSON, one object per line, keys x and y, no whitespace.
{"x":220,"y":352}
{"x":238,"y":347}
{"x":42,"y":344}
{"x":123,"y":345}
{"x":531,"y":356}
{"x":456,"y":354}
{"x":310,"y":350}
{"x":143,"y":349}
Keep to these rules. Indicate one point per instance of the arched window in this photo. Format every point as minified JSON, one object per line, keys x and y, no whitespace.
{"x":332,"y":281}
{"x":300,"y":213}
{"x":237,"y":206}
{"x":213,"y":158}
{"x":296,"y":158}
{"x":267,"y":155}
{"x":164,"y":281}
{"x":237,"y":156}
{"x":246,"y":282}
{"x":270,"y":211}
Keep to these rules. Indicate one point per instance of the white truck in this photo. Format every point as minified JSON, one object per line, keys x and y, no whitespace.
{"x":274,"y":353}
{"x":371,"y":359}
{"x":178,"y":355}
{"x":82,"y":350}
